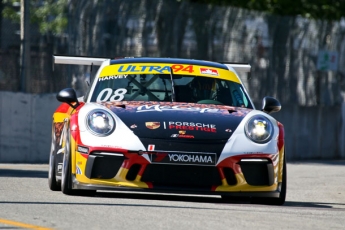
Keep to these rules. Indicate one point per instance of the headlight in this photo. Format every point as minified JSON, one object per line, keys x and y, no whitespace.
{"x":100,"y":122}
{"x":259,"y":129}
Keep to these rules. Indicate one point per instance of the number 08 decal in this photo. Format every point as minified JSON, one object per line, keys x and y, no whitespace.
{"x":108,"y":93}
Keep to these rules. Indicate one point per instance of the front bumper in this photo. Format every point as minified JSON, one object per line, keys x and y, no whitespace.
{"x":132,"y":172}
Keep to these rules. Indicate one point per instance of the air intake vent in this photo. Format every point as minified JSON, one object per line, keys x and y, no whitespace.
{"x":229,"y":176}
{"x":103,"y":167}
{"x":258,"y":172}
{"x":133,"y":172}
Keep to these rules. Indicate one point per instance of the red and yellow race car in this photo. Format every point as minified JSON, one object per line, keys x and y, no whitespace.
{"x":167,"y":125}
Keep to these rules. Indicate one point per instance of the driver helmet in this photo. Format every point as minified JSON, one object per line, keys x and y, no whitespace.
{"x":204,"y":88}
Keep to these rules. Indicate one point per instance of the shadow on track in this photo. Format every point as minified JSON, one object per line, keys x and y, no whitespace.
{"x":213,"y":199}
{"x":23,"y":173}
{"x":179,"y":198}
{"x":160,"y":196}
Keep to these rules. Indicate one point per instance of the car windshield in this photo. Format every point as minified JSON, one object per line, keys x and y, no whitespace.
{"x":158,"y":87}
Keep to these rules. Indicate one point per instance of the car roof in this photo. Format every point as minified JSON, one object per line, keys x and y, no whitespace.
{"x":168,"y":60}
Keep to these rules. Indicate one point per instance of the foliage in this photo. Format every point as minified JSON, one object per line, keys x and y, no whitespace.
{"x":50,"y":15}
{"x":317,"y":9}
{"x":11,"y":11}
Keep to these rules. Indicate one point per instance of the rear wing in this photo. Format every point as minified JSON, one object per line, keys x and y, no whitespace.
{"x":239,"y":67}
{"x":71,"y":60}
{"x":74,"y":60}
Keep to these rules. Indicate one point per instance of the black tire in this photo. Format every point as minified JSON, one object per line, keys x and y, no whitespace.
{"x":275,"y":201}
{"x":52,"y":182}
{"x":66,"y":178}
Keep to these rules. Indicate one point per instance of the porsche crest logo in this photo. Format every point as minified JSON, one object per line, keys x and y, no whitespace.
{"x":152,"y":124}
{"x":182,"y":132}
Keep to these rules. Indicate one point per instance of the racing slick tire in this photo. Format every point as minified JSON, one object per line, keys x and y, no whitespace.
{"x":52,"y":182}
{"x":274,"y":201}
{"x":66,"y":178}
{"x":66,"y":181}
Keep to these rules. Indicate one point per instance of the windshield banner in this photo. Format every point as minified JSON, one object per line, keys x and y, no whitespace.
{"x":112,"y":71}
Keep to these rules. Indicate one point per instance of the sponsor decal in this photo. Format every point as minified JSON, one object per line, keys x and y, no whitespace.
{"x":228,"y":130}
{"x":190,"y":158}
{"x":253,"y":153}
{"x":151,"y":148}
{"x":182,"y":136}
{"x":112,"y":77}
{"x":111,"y":146}
{"x":182,"y":68}
{"x":152,"y":124}
{"x":133,"y":126}
{"x":210,"y":71}
{"x":164,"y":68}
{"x":183,"y":158}
{"x":82,"y":149}
{"x":161,"y":108}
{"x":182,"y":132}
{"x":192,"y":126}
{"x":143,"y":68}
{"x":155,"y":68}
{"x":59,"y":166}
{"x":78,"y":170}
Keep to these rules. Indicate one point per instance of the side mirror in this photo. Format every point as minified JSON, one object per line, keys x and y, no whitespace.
{"x":270,"y":105}
{"x":68,"y":96}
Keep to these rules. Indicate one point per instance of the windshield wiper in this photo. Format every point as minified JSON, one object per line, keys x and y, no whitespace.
{"x":172,"y":85}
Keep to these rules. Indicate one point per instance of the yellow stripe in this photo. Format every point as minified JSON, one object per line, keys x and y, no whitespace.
{"x":242,"y":186}
{"x":60,"y":117}
{"x":22,"y":225}
{"x":144,"y":68}
{"x":281,"y":161}
{"x":73,"y":155}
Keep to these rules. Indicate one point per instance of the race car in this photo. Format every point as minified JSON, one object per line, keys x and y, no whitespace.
{"x":167,"y":125}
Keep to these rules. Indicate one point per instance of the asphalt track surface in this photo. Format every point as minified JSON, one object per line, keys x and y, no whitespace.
{"x":315,"y":200}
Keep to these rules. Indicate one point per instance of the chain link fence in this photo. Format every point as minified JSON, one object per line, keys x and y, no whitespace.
{"x":283,"y":51}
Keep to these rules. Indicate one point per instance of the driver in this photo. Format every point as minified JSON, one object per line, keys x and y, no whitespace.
{"x":203,"y":88}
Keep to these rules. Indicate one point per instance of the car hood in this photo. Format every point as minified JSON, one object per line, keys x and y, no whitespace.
{"x":162,"y":120}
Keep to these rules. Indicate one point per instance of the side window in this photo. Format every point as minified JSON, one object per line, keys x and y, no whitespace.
{"x":244,"y":97}
{"x":239,"y":97}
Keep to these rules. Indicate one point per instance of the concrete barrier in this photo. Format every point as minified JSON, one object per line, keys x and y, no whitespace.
{"x":25,"y":129}
{"x":315,"y":132}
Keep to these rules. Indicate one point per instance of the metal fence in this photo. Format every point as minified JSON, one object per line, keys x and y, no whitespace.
{"x":283,"y":51}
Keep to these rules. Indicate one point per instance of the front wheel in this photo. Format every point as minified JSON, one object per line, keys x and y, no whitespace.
{"x":52,"y":182}
{"x":66,"y":179}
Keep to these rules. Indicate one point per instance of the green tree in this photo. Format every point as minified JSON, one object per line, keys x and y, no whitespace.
{"x":50,"y":15}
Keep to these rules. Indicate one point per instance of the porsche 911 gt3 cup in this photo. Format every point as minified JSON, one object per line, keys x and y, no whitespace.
{"x":167,"y":125}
